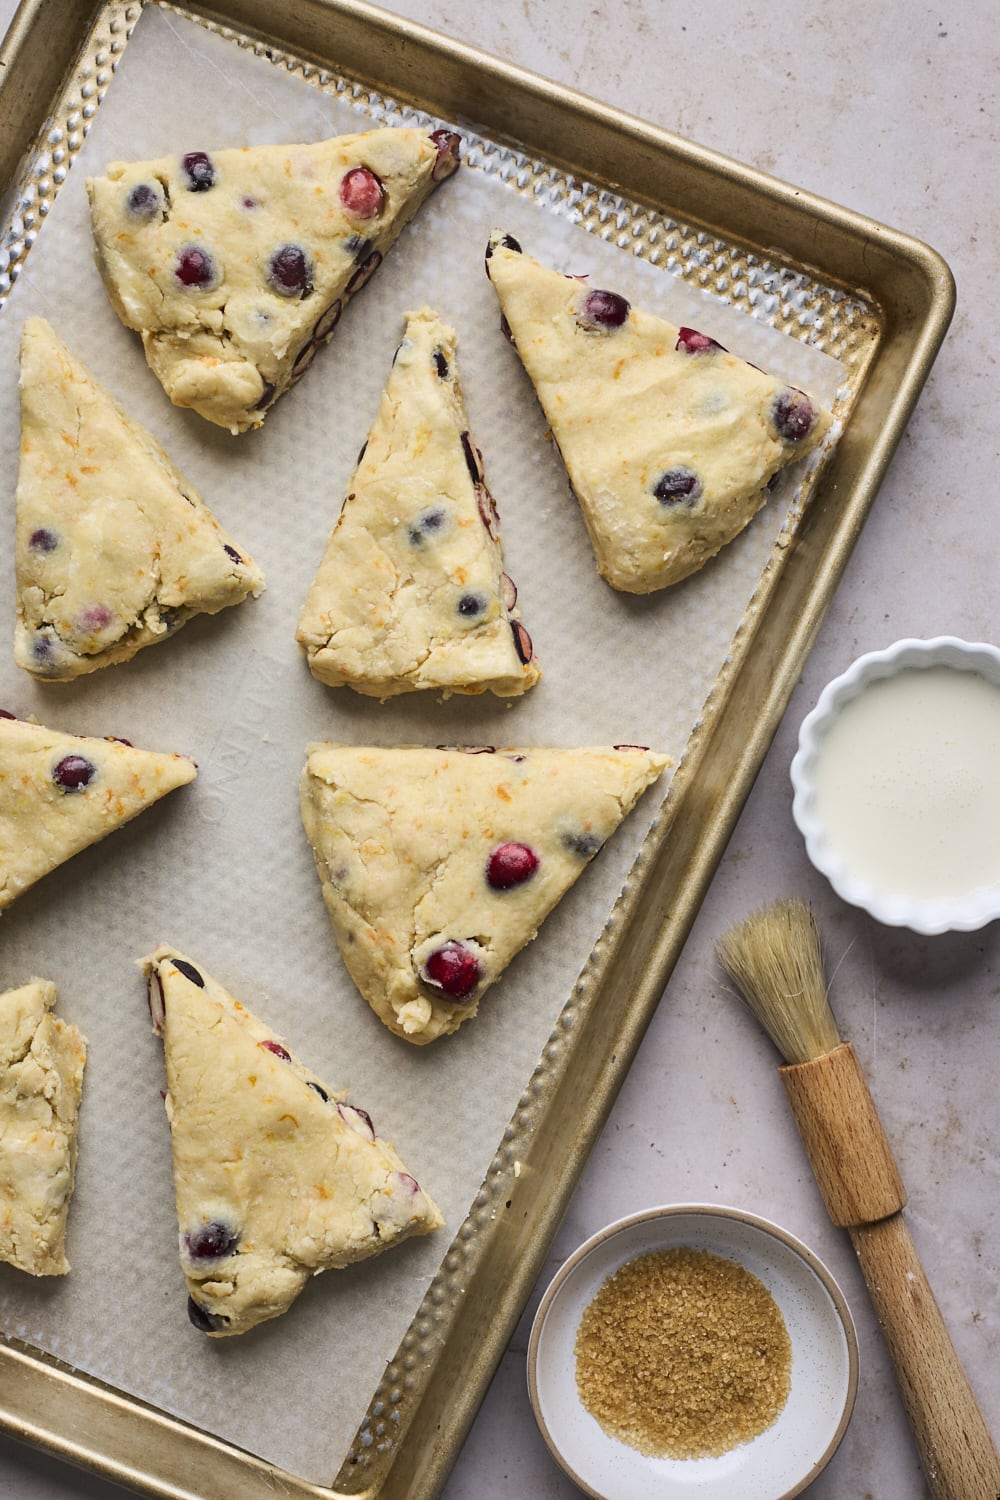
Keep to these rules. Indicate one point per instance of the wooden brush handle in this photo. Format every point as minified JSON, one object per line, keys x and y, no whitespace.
{"x":957,"y":1453}
{"x":864,"y":1193}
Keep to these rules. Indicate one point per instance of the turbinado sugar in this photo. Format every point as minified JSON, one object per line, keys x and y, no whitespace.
{"x":683,"y":1354}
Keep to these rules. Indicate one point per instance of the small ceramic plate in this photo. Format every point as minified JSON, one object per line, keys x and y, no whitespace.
{"x":826,"y":847}
{"x":824,"y":1379}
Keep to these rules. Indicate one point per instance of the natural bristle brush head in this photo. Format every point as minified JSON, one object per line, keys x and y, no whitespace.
{"x":773,"y":956}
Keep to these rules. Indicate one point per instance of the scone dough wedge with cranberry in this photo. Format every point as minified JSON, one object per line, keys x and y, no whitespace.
{"x":411,"y":592}
{"x":115,"y":550}
{"x":41,"y":1079}
{"x":438,"y":865}
{"x":235,"y":265}
{"x":60,"y":793}
{"x":276,"y":1178}
{"x":669,"y":441}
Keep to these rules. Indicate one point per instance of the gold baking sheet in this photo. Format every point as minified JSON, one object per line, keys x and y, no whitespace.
{"x":876,"y":301}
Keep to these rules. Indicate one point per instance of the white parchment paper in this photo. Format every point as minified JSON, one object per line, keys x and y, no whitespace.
{"x":222,"y":869}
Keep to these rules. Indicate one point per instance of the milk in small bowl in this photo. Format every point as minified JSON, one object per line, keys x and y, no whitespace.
{"x":897,"y":784}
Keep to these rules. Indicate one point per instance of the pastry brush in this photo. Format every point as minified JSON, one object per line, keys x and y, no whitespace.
{"x":774,"y":957}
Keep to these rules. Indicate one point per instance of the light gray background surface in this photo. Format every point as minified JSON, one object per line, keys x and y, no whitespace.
{"x":892,"y":111}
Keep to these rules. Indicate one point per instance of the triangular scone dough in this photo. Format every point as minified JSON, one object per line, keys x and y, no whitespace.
{"x":115,"y":550}
{"x":235,"y":266}
{"x":41,"y":1078}
{"x":59,"y":793}
{"x":437,"y":866}
{"x":276,"y":1179}
{"x":669,"y":441}
{"x":411,"y":592}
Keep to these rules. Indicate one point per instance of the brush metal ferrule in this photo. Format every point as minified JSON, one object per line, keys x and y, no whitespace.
{"x":843,"y":1136}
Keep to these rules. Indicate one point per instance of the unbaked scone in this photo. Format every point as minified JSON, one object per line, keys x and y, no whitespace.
{"x":60,"y":793}
{"x":411,"y":592}
{"x":114,"y":550}
{"x":41,"y":1079}
{"x":235,"y":265}
{"x":669,"y":441}
{"x":276,"y":1178}
{"x":438,"y":865}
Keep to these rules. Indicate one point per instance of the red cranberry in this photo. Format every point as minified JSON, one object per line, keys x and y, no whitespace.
{"x":677,"y":486}
{"x":195,"y":268}
{"x":73,"y":773}
{"x":361,"y":193}
{"x":522,"y":641}
{"x":358,"y":1119}
{"x":447,"y":143}
{"x":692,"y":342}
{"x":453,"y":969}
{"x":603,"y":310}
{"x":289,"y":273}
{"x":510,"y":865}
{"x":94,"y":617}
{"x":793,"y":415}
{"x":211,"y":1241}
{"x":276,"y":1048}
{"x":508,"y":591}
{"x":5,"y":713}
{"x":199,"y":170}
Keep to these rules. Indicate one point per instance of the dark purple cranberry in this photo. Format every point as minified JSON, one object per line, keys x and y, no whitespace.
{"x":507,"y":241}
{"x":41,"y":650}
{"x":203,"y":1320}
{"x":510,"y":865}
{"x":43,"y":540}
{"x":473,"y":458}
{"x":358,"y":246}
{"x":5,"y":713}
{"x":692,"y":342}
{"x":470,"y":749}
{"x":441,"y":364}
{"x":428,"y":523}
{"x":266,"y":395}
{"x":793,"y":415}
{"x":211,"y":1241}
{"x":73,"y":773}
{"x":361,"y":193}
{"x":488,"y":512}
{"x":678,"y":486}
{"x":154,"y":999}
{"x":289,"y":273}
{"x":189,"y":971}
{"x":118,"y":739}
{"x":304,"y":359}
{"x":358,"y":1119}
{"x":364,"y":273}
{"x":453,"y":969}
{"x":603,"y":310}
{"x":508,"y":591}
{"x":361,"y":453}
{"x":407,"y":1181}
{"x":505,"y":329}
{"x":199,"y":171}
{"x":143,"y":202}
{"x":231,"y":552}
{"x":195,"y":268}
{"x":630,"y":747}
{"x":522,"y":641}
{"x":585,"y":845}
{"x":447,"y":143}
{"x":276,"y":1048}
{"x":318,"y":1088}
{"x":471,"y":605}
{"x":327,"y":321}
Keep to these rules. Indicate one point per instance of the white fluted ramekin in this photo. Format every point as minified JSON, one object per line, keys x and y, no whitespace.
{"x":930,"y":916}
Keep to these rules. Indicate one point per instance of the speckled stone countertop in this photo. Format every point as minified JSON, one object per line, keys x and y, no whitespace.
{"x":892,"y":111}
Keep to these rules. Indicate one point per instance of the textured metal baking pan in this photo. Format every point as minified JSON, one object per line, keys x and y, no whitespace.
{"x":876,"y":299}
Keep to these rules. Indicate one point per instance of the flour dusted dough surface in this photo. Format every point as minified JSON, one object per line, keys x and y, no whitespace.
{"x":41,"y":1079}
{"x":438,"y":865}
{"x":669,"y":441}
{"x":59,"y":793}
{"x":115,"y":550}
{"x":276,"y":1178}
{"x":235,"y":265}
{"x":411,"y":592}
